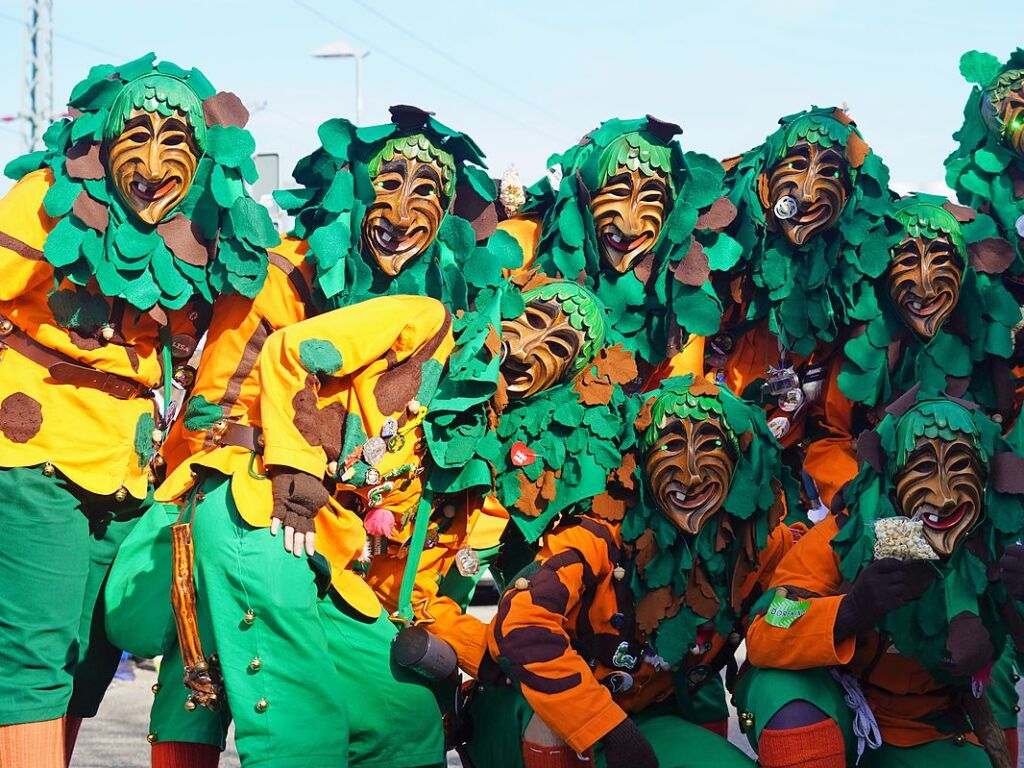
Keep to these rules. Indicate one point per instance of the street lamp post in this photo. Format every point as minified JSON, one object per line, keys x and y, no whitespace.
{"x":340,"y":50}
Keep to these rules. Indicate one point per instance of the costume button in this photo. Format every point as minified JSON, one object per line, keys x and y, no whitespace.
{"x":6,"y":326}
{"x":122,"y":494}
{"x":151,"y":738}
{"x":618,"y":620}
{"x":190,"y":705}
{"x":249,"y":617}
{"x":960,"y":739}
{"x":255,"y":665}
{"x":619,"y":573}
{"x":1016,"y":678}
{"x":107,"y":332}
{"x":261,"y":706}
{"x":155,"y":688}
{"x":1016,"y":707}
{"x":522,"y":584}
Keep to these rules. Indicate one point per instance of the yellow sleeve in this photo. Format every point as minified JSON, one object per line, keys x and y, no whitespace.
{"x":297,"y":360}
{"x":24,"y":227}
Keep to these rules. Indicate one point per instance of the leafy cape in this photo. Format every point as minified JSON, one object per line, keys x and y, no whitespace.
{"x":672,"y":569}
{"x":214,"y":241}
{"x":919,"y":629}
{"x":337,"y":190}
{"x":577,"y":431}
{"x":809,"y":294}
{"x":974,"y":341}
{"x":981,"y":170}
{"x":669,"y":288}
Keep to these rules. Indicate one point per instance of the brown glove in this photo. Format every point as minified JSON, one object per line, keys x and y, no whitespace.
{"x":1011,"y":570}
{"x":298,"y":496}
{"x":968,"y":645}
{"x":626,"y":747}
{"x":883,"y":586}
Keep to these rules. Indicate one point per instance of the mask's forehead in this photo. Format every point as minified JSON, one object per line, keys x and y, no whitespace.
{"x":417,"y":146}
{"x":159,"y":94}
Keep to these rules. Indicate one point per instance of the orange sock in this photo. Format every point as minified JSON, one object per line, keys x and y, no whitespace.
{"x":819,"y":745}
{"x":562,"y":756}
{"x":181,"y":754}
{"x":1012,"y":743}
{"x":33,"y":745}
{"x":719,"y":727}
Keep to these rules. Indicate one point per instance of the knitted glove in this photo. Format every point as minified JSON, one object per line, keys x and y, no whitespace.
{"x":883,"y":586}
{"x":298,"y":496}
{"x":968,"y":645}
{"x":626,"y":747}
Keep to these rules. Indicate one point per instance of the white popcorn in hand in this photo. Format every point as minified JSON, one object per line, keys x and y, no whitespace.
{"x":902,"y":538}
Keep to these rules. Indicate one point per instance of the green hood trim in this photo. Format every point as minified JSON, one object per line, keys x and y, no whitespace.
{"x":213,"y":242}
{"x":981,"y":170}
{"x":919,"y":629}
{"x":810,"y":294}
{"x":668,"y":287}
{"x":762,"y":488}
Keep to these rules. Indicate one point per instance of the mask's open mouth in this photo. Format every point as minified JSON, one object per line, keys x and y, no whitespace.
{"x":387,"y":238}
{"x":150,"y":190}
{"x":691,"y":499}
{"x":817,"y":212}
{"x":923,"y":307}
{"x":937,"y":519}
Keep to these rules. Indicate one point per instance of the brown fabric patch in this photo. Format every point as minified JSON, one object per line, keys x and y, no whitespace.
{"x":991,"y":255}
{"x":298,"y":281}
{"x":534,"y":496}
{"x":226,"y":109}
{"x":700,"y":596}
{"x":612,"y":365}
{"x":91,"y":213}
{"x":481,"y":214}
{"x":20,"y":417}
{"x":85,"y":343}
{"x":400,"y":383}
{"x":731,"y":162}
{"x":693,"y":270}
{"x":1007,"y":472}
{"x":1017,"y":178}
{"x":185,"y":240}
{"x":643,"y":418}
{"x":703,"y":386}
{"x":856,"y":150}
{"x":643,"y":268}
{"x":20,"y":248}
{"x":654,"y":606}
{"x":957,"y":385}
{"x":532,"y":278}
{"x":319,"y":427}
{"x":644,"y":548}
{"x":608,"y":507}
{"x":624,"y":475}
{"x":83,"y":161}
{"x":841,"y":116}
{"x":718,"y":216}
{"x":961,"y":213}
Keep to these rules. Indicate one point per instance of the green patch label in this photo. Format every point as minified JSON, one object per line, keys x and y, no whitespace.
{"x":783,"y":612}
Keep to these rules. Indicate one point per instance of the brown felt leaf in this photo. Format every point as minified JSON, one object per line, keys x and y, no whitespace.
{"x":644,"y":548}
{"x":90,"y":212}
{"x":609,"y":508}
{"x":529,"y":493}
{"x":624,"y":475}
{"x":644,"y":268}
{"x":763,"y":194}
{"x":731,"y":162}
{"x":702,"y":386}
{"x":718,"y":216}
{"x":745,"y":440}
{"x":961,"y":213}
{"x":856,"y":150}
{"x":593,"y":391}
{"x":700,"y":595}
{"x":656,"y":605}
{"x":693,"y":270}
{"x":480,"y":213}
{"x":226,"y":109}
{"x":991,"y":255}
{"x":616,"y":364}
{"x":548,"y":487}
{"x":1017,"y":178}
{"x":493,"y":341}
{"x":533,"y":278}
{"x":184,"y":239}
{"x":83,"y":161}
{"x":842,"y":117}
{"x":643,"y":418}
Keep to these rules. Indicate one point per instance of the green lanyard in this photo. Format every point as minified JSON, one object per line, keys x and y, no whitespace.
{"x":167,"y":363}
{"x":419,"y":536}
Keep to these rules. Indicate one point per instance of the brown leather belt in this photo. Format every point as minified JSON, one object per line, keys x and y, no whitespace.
{"x":226,"y":432}
{"x":67,"y":371}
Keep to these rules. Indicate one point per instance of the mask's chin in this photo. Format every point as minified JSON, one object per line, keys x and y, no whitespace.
{"x":621,"y":251}
{"x":690,"y":508}
{"x":944,"y":528}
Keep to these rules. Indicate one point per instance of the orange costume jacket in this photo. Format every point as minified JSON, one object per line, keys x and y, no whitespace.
{"x":76,"y":398}
{"x":904,"y":697}
{"x":568,"y":633}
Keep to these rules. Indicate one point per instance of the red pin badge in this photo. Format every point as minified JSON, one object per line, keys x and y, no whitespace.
{"x":522,"y":454}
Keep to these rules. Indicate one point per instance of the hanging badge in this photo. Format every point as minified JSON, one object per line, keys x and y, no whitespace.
{"x":467,"y":561}
{"x":1020,"y":226}
{"x":389,"y":428}
{"x":779,"y":426}
{"x":373,"y":450}
{"x":372,"y":476}
{"x":522,"y":455}
{"x":791,"y":401}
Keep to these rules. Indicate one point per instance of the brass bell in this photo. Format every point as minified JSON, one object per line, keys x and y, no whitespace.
{"x":158,"y":461}
{"x":255,"y":665}
{"x":332,"y":468}
{"x":619,"y":573}
{"x":414,"y":407}
{"x":49,"y":470}
{"x":107,"y":332}
{"x":6,"y":326}
{"x":218,"y":428}
{"x":746,"y":721}
{"x":261,"y":706}
{"x":155,"y":688}
{"x":151,"y":738}
{"x":960,"y":739}
{"x":190,"y":705}
{"x":122,"y":494}
{"x":249,"y":617}
{"x":157,"y":435}
{"x":522,"y":583}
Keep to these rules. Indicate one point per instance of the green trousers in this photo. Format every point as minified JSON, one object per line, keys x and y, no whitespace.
{"x":499,"y":716}
{"x":763,"y":692}
{"x":57,"y":542}
{"x":307,"y":684}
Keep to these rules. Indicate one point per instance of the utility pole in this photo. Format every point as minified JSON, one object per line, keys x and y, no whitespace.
{"x":37,"y":89}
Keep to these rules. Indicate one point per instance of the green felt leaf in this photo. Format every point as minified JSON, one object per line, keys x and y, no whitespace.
{"x":63,"y":243}
{"x":251,"y":221}
{"x":320,"y":357}
{"x":980,"y":68}
{"x":229,"y":146}
{"x":339,"y":196}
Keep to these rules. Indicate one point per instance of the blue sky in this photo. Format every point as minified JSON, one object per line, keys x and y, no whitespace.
{"x":527,"y":79}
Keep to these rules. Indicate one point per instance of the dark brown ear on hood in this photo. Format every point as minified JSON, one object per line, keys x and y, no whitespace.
{"x":904,"y":402}
{"x":661,"y":130}
{"x":481,"y":214}
{"x":962,"y":213}
{"x":842,"y":117}
{"x":869,"y":450}
{"x":992,"y":255}
{"x":409,"y":118}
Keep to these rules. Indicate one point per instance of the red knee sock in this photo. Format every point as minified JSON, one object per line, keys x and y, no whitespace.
{"x":181,"y":754}
{"x":1012,"y":743}
{"x":819,"y":745}
{"x":562,"y":756}
{"x":719,"y":727}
